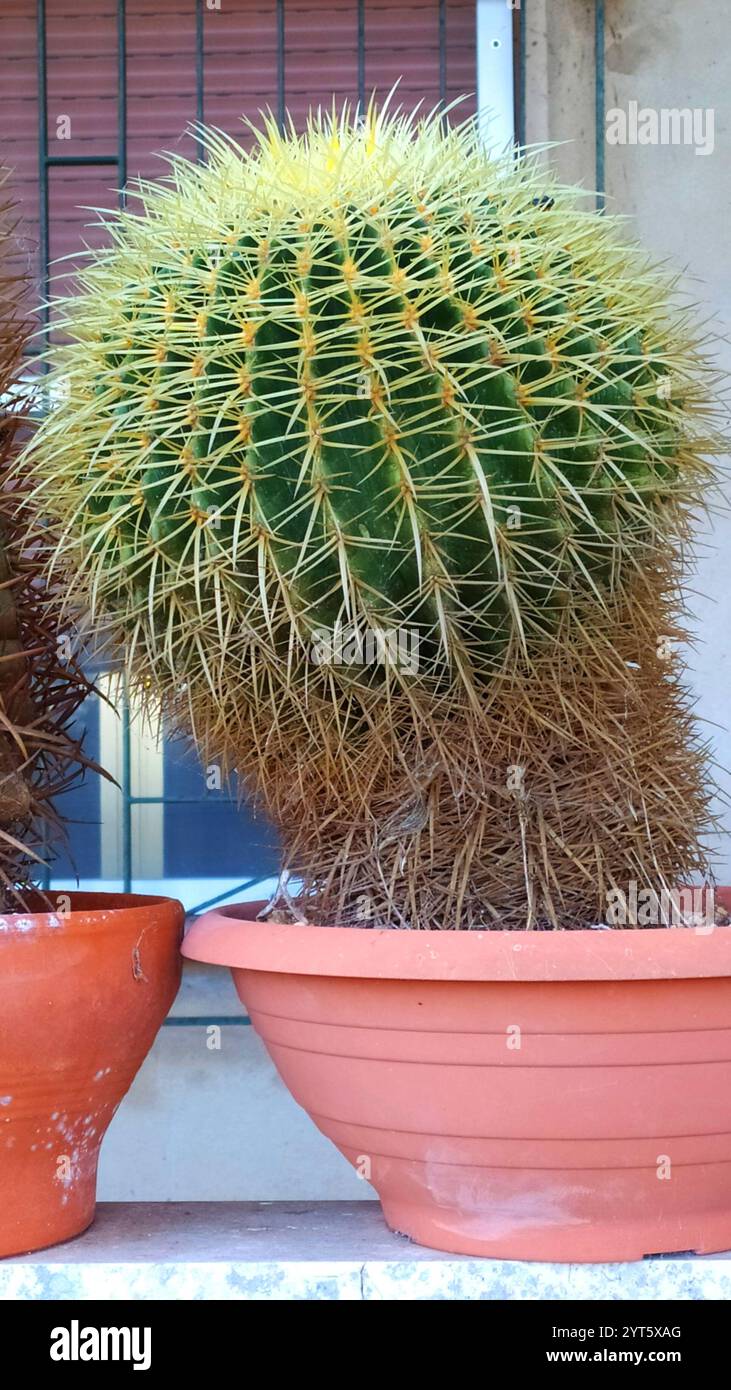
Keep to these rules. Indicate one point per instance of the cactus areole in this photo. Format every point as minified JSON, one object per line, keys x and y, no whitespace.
{"x":366,"y":383}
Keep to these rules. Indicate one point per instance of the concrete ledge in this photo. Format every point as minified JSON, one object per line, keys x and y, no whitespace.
{"x":321,"y":1250}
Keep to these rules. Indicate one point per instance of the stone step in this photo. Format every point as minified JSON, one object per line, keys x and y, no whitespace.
{"x":316,"y":1251}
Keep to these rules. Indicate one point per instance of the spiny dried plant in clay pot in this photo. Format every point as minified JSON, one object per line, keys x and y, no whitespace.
{"x":381,"y":458}
{"x":76,"y":1017}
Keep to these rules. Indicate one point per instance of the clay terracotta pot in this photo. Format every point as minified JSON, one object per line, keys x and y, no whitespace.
{"x":527,"y":1095}
{"x":82,"y":995}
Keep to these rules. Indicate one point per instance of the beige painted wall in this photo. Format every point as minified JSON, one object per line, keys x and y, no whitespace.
{"x":668,"y":53}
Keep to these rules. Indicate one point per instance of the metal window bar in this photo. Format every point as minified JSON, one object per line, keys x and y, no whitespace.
{"x":522,"y":63}
{"x":361,"y":56}
{"x":443,"y":52}
{"x":281,"y":97}
{"x":199,"y":72}
{"x":599,"y":99}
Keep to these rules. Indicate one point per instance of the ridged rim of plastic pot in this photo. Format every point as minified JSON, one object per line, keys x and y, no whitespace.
{"x":230,"y":936}
{"x":89,"y":912}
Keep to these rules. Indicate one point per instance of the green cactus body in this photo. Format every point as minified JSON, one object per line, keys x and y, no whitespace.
{"x":363,"y":393}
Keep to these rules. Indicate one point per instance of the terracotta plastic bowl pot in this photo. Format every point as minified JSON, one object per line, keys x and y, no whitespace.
{"x":83,"y":992}
{"x":527,"y":1095}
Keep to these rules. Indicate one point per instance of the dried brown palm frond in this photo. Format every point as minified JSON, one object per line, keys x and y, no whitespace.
{"x":41,"y":684}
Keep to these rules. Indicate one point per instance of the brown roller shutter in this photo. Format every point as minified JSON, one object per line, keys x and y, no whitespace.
{"x":254,"y":54}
